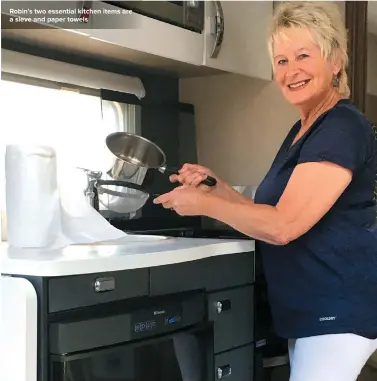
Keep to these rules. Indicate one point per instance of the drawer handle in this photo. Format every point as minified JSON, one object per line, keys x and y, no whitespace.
{"x":223,"y":305}
{"x":104,"y":284}
{"x":224,"y":371}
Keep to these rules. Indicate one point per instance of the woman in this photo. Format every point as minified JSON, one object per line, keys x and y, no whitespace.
{"x":314,"y":211}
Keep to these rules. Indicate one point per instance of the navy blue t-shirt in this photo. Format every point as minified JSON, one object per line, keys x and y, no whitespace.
{"x":325,"y":281}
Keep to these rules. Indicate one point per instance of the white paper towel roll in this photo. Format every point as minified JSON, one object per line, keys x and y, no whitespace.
{"x":32,"y":196}
{"x":45,"y":210}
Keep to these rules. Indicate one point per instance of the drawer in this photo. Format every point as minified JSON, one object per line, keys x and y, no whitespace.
{"x":179,"y":277}
{"x":85,"y":290}
{"x":232,"y":313}
{"x":231,"y":270}
{"x":236,"y":365}
{"x":211,"y":274}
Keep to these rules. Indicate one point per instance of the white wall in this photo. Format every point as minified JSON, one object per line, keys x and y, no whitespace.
{"x":371,"y":108}
{"x":372,"y":65}
{"x":371,"y":98}
{"x":240,"y":123}
{"x":372,"y":16}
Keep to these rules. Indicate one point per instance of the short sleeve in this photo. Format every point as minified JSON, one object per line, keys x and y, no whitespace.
{"x":340,"y":138}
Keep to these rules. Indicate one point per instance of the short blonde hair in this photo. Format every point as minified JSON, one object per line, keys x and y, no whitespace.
{"x":324,"y":21}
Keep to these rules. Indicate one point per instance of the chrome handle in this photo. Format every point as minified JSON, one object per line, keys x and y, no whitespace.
{"x":224,"y":371}
{"x":104,"y":284}
{"x":223,"y":305}
{"x":219,"y":307}
{"x":217,"y":28}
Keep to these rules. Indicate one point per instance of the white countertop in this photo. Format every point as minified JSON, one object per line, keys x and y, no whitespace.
{"x":131,"y":252}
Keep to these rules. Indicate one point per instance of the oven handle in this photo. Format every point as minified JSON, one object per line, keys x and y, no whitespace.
{"x":217,"y":29}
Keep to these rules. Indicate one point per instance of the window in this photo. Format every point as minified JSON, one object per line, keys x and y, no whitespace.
{"x":75,"y":124}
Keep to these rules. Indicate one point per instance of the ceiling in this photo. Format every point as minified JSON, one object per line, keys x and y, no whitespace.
{"x":372,"y":17}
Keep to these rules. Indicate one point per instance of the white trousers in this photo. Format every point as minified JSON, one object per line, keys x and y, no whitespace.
{"x":338,"y":357}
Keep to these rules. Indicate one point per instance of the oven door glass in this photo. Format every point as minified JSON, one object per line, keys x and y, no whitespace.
{"x":180,"y":357}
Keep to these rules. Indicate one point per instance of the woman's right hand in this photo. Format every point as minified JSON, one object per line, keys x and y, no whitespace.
{"x":193,"y":175}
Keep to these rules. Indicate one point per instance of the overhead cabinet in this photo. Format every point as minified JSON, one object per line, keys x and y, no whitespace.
{"x":240,"y":30}
{"x":190,"y":38}
{"x":233,"y":39}
{"x":145,"y":34}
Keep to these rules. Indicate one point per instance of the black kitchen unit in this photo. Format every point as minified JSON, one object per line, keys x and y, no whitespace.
{"x":153,"y":339}
{"x":191,"y":321}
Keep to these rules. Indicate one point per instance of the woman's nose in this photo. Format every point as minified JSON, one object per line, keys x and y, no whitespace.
{"x":292,"y":69}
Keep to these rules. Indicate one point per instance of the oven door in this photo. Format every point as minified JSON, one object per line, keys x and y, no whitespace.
{"x":184,"y":14}
{"x":182,"y":356}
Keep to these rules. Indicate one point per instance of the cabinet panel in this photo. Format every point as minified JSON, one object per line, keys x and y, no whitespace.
{"x":244,"y":46}
{"x":84,"y":290}
{"x":232,"y":312}
{"x":228,"y":271}
{"x":211,"y":274}
{"x":236,"y":365}
{"x":146,"y":35}
{"x":187,"y":135}
{"x":177,"y":278}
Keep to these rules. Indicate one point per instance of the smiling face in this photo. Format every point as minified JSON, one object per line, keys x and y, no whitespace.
{"x":302,"y":73}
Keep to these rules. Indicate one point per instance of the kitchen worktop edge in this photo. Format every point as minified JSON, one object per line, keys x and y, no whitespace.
{"x":95,"y":258}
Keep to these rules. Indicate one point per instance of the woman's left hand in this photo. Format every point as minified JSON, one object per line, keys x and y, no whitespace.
{"x":185,"y":200}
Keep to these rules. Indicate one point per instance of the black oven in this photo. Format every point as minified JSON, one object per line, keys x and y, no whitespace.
{"x":184,"y":14}
{"x":153,"y":339}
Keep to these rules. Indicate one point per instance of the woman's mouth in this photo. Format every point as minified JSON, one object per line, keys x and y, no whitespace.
{"x":299,"y":85}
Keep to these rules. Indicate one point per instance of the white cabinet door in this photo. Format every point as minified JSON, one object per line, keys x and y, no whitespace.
{"x":146,"y":35}
{"x":243,"y":49}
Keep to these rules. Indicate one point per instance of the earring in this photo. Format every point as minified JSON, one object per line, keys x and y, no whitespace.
{"x":335,"y":81}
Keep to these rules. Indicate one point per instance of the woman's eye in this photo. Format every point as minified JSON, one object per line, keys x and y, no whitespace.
{"x":302,"y":56}
{"x":282,"y":62}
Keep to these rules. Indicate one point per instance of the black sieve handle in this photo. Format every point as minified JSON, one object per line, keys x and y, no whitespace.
{"x":126,"y":184}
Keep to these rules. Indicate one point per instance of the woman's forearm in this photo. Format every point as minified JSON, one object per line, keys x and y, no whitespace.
{"x":225,"y":191}
{"x":262,"y":222}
